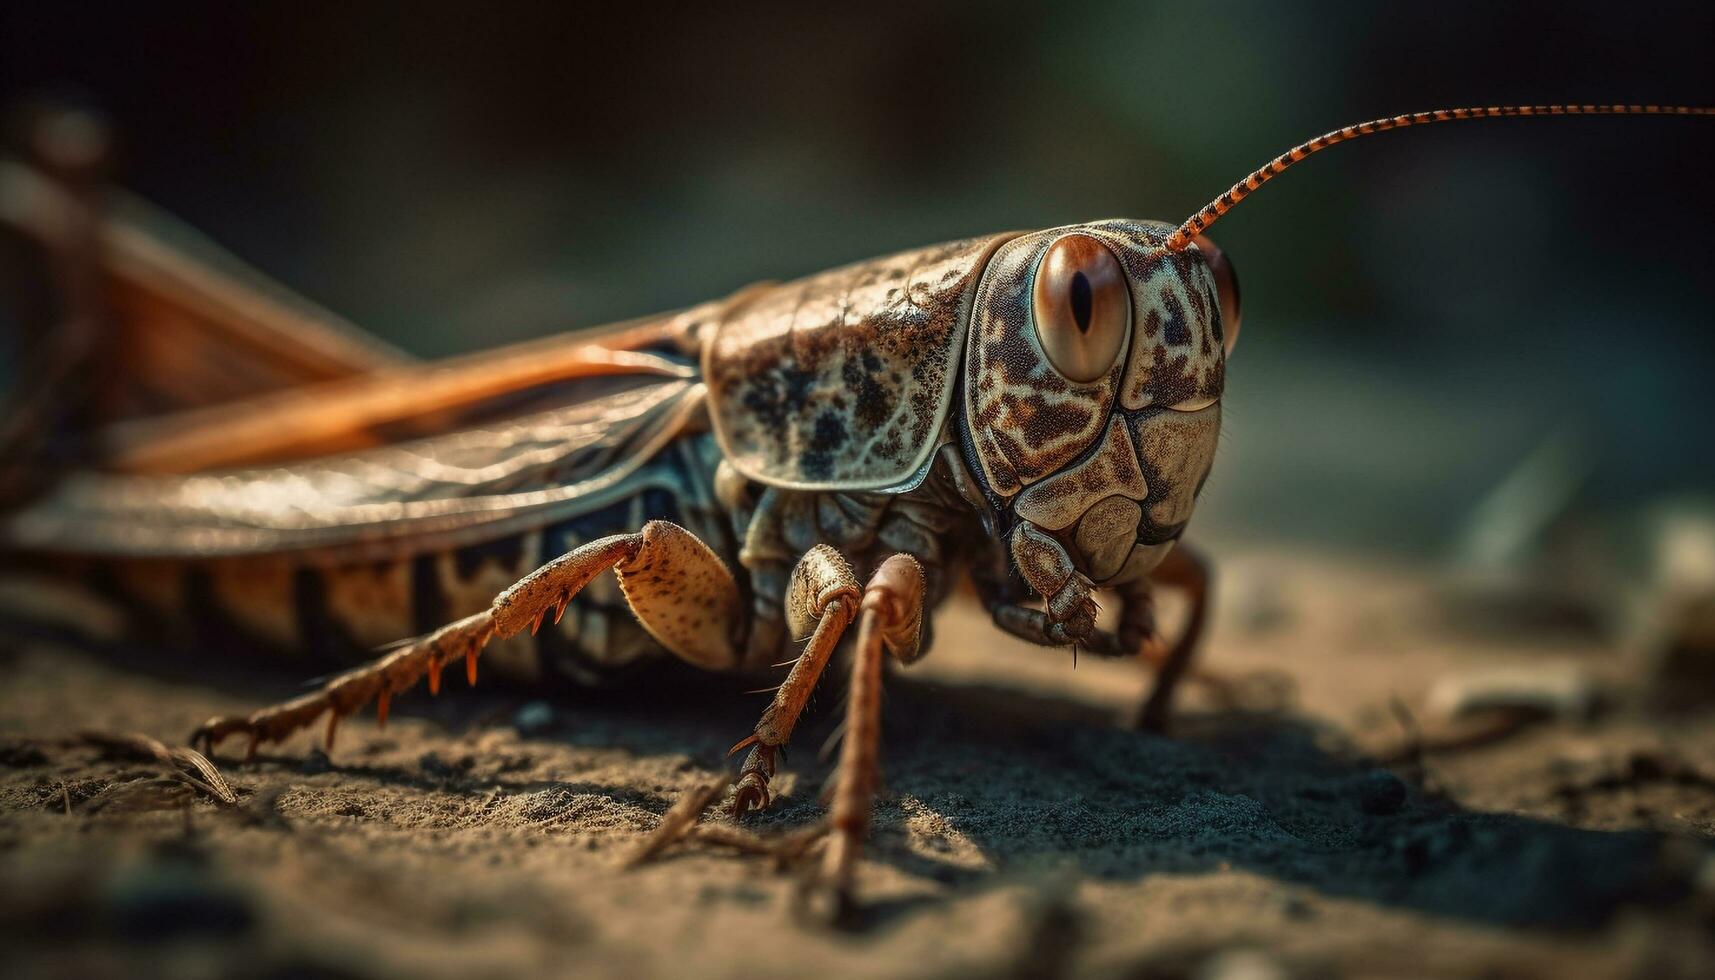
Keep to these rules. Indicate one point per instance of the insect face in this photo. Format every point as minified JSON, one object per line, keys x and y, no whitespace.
{"x":1095,"y":368}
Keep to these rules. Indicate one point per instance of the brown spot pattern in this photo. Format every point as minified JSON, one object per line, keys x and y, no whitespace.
{"x":1176,"y":354}
{"x":1057,"y":501}
{"x":843,"y":380}
{"x":683,"y":595}
{"x":1026,"y":419}
{"x":1041,"y":560}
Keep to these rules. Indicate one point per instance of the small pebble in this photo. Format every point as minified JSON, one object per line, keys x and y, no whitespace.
{"x":315,"y":761}
{"x":535,"y":718}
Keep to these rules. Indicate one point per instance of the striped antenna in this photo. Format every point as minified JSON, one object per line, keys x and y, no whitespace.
{"x":1221,"y":205}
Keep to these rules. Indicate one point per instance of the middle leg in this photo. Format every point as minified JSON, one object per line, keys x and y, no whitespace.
{"x":890,"y":613}
{"x":822,"y":596}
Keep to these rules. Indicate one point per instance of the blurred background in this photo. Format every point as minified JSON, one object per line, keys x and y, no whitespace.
{"x":1475,"y":360}
{"x":1423,"y":311}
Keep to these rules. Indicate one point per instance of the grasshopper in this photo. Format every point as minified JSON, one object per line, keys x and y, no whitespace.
{"x":794,"y":463}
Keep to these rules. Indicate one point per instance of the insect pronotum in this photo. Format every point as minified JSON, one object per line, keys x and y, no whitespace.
{"x":1037,"y":410}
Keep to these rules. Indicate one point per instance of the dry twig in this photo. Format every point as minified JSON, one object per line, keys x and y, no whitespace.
{"x":186,"y":765}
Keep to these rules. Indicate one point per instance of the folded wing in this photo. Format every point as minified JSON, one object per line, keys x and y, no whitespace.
{"x":465,"y":486}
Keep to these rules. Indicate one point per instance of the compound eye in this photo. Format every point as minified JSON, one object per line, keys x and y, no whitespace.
{"x":1082,"y":307}
{"x":1227,"y":286}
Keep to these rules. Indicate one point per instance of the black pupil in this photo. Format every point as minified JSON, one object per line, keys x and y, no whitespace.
{"x":1082,"y":300}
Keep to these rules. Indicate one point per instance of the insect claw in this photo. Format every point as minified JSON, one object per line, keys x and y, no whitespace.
{"x":381,"y":708}
{"x":560,"y":607}
{"x":435,"y":673}
{"x":745,"y":743}
{"x":752,"y":794}
{"x":536,"y":624}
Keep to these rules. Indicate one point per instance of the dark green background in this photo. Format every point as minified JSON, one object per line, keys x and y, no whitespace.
{"x":1422,"y":309}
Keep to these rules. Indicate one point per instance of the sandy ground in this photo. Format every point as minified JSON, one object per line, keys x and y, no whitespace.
{"x":1021,"y":833}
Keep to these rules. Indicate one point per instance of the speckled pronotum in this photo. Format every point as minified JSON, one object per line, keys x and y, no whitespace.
{"x":763,"y":475}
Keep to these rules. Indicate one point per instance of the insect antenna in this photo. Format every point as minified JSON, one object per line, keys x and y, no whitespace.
{"x":1212,"y":211}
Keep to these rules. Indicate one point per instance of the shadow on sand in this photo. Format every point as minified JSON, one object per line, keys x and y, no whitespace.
{"x":1035,"y":781}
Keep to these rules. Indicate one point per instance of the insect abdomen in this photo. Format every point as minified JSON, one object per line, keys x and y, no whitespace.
{"x":334,"y":613}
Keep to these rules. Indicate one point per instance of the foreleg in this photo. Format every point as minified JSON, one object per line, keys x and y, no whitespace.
{"x":1068,"y":616}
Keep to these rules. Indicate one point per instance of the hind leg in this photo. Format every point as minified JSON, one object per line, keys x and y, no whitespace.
{"x":676,"y":586}
{"x":1182,"y":569}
